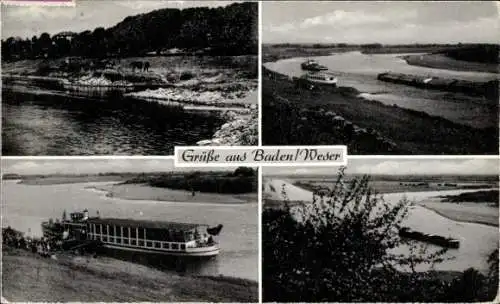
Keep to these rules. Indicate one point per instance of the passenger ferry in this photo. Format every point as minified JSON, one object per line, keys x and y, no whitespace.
{"x":321,"y":78}
{"x":168,"y":238}
{"x":313,"y":65}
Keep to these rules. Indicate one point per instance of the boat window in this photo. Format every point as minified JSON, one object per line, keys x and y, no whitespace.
{"x":106,"y":229}
{"x":125,"y":232}
{"x":166,"y":245}
{"x":175,"y":246}
{"x":98,"y":237}
{"x":157,"y":244}
{"x":133,"y":233}
{"x":149,"y":244}
{"x":104,"y":238}
{"x":183,"y":246}
{"x":126,"y":241}
{"x":112,"y":239}
{"x":133,"y":242}
{"x":141,"y":243}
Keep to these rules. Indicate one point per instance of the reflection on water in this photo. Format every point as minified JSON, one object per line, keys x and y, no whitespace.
{"x":360,"y":71}
{"x":24,"y":207}
{"x":59,"y":125}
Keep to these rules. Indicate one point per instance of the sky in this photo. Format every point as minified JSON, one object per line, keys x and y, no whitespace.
{"x":26,"y":21}
{"x":94,"y":166}
{"x":399,"y":167}
{"x":381,"y":22}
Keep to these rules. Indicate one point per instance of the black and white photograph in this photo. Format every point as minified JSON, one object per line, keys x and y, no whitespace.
{"x":381,"y":230}
{"x":382,"y":77}
{"x":128,"y":230}
{"x":128,"y":77}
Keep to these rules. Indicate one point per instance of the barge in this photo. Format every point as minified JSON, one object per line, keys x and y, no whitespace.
{"x":429,"y":238}
{"x":142,"y":236}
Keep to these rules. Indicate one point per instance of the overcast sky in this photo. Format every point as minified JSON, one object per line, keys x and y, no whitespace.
{"x":26,"y":21}
{"x":92,"y":166}
{"x":399,"y":167}
{"x":383,"y":22}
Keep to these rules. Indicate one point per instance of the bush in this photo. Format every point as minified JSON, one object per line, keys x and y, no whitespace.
{"x":338,"y":248}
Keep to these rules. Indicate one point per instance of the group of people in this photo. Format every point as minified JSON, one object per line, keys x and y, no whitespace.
{"x":16,"y":239}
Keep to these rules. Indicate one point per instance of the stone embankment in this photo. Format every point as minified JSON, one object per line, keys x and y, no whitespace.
{"x":488,"y":89}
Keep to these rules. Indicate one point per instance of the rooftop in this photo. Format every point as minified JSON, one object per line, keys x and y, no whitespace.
{"x":145,"y":223}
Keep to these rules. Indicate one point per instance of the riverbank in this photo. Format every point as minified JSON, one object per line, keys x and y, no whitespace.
{"x":383,"y":187}
{"x":27,"y":278}
{"x":214,"y":85}
{"x":145,"y":192}
{"x":440,"y":61}
{"x":341,"y":116}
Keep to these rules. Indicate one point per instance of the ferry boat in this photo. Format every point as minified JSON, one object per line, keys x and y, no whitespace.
{"x":166,"y":238}
{"x":320,"y":78}
{"x":313,"y":65}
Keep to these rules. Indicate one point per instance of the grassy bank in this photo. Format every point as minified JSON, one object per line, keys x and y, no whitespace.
{"x":441,"y":61}
{"x":293,"y":116}
{"x":149,"y":193}
{"x":241,"y":181}
{"x":26,"y":278}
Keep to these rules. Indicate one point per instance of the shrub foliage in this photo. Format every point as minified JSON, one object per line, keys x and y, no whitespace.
{"x":340,"y":248}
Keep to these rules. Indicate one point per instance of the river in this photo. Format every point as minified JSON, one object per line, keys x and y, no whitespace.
{"x":476,"y":241}
{"x":358,"y":70}
{"x":24,"y":207}
{"x":47,"y":124}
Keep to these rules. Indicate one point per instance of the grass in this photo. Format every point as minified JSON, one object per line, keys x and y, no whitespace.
{"x":27,"y":277}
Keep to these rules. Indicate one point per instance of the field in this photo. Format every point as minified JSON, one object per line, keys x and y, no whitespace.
{"x":28,"y":278}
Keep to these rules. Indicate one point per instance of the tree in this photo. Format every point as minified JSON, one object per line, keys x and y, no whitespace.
{"x":338,"y":248}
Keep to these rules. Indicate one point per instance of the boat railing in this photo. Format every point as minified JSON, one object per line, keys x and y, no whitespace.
{"x":146,"y":243}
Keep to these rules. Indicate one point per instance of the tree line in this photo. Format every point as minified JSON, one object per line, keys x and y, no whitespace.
{"x":229,"y":30}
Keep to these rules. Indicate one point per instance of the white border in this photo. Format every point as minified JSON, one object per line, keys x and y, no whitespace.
{"x":259,"y":68}
{"x":178,"y":164}
{"x":61,"y":3}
